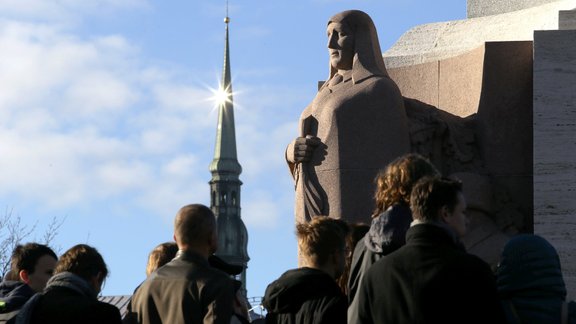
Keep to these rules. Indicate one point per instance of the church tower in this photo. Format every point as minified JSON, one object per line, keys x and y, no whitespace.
{"x":225,"y":183}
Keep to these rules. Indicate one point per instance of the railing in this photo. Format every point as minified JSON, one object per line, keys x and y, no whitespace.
{"x":256,"y":310}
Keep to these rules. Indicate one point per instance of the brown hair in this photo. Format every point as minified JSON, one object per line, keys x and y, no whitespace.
{"x":25,"y":257}
{"x":431,"y":194}
{"x":162,"y":254}
{"x":194,"y":224}
{"x":356,"y":233}
{"x":321,"y":237}
{"x":82,"y":260}
{"x":394,"y":183}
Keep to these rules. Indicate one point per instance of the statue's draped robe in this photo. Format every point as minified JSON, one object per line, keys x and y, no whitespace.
{"x":362,"y":127}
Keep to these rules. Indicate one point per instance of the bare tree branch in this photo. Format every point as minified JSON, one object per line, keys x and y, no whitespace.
{"x":13,"y":232}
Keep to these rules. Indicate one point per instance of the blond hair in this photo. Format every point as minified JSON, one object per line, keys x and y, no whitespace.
{"x":162,"y":254}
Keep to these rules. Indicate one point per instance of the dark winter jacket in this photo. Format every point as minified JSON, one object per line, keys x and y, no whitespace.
{"x":530,"y":282}
{"x":305,"y":296}
{"x":429,"y":280}
{"x":67,"y":299}
{"x":387,"y":234}
{"x":13,"y":294}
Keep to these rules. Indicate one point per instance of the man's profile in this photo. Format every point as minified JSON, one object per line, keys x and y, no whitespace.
{"x":31,"y":267}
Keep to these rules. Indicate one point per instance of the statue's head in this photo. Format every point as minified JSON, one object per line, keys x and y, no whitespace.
{"x":353,"y":44}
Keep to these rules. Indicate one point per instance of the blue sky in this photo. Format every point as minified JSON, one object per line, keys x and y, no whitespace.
{"x":105,"y":117}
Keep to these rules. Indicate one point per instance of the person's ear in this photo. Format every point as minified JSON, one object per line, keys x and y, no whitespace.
{"x":23,"y":275}
{"x":444,"y":214}
{"x":97,"y":281}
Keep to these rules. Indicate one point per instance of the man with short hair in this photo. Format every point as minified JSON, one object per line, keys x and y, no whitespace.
{"x":31,"y":266}
{"x":310,"y":294}
{"x":187,"y":289}
{"x":431,"y":279}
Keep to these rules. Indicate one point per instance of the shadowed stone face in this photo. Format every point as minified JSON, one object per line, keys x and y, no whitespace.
{"x":340,"y":46}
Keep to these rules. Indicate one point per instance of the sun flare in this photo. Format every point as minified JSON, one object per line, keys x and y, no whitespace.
{"x":221,"y":96}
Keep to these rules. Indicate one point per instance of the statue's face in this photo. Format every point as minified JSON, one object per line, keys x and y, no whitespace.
{"x":340,"y":46}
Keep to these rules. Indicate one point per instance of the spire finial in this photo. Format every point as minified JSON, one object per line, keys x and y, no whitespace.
{"x":227,"y":19}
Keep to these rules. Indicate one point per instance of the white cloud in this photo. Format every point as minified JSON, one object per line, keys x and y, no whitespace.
{"x":86,"y":121}
{"x":97,"y":93}
{"x":260,"y":210}
{"x":81,"y":119}
{"x":42,"y":64}
{"x":181,"y":166}
{"x":120,"y":176}
{"x":66,"y":9}
{"x":167,"y":195}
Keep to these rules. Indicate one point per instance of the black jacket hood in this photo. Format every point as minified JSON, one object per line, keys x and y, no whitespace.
{"x":294,"y":287}
{"x":388,"y":231}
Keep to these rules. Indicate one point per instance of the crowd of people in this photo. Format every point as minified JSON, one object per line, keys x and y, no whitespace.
{"x":407,"y":266}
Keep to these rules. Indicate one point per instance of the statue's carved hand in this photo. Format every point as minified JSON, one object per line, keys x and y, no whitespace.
{"x":303,"y":148}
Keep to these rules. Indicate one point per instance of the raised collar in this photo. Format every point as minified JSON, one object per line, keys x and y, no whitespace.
{"x":190,"y":256}
{"x":434,"y":234}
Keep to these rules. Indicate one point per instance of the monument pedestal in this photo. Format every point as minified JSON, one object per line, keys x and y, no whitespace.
{"x":555,"y":145}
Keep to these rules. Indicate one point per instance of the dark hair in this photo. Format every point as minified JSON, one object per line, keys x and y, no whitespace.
{"x":25,"y":257}
{"x":394,"y":183}
{"x":355,"y":234}
{"x":162,"y":254}
{"x":321,"y":237}
{"x":82,"y":260}
{"x":430,"y":194}
{"x":194,"y":223}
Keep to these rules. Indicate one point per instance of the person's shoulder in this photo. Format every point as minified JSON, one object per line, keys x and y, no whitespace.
{"x":106,"y":308}
{"x":334,"y":310}
{"x":215,"y":279}
{"x":217,"y":274}
{"x":400,"y":208}
{"x":471,"y":264}
{"x":397,"y":212}
{"x":107,"y":312}
{"x":474,"y":260}
{"x":383,"y":264}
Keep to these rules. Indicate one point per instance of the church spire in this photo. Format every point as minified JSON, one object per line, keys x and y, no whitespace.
{"x":225,"y":157}
{"x":225,"y":183}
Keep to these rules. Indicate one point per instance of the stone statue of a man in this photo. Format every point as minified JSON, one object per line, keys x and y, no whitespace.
{"x":355,"y":125}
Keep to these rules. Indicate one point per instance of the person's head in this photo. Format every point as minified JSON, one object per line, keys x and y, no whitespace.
{"x":523,"y":258}
{"x":439,"y":200}
{"x":353,"y":35}
{"x":161,"y":255}
{"x":394,"y":183}
{"x":195,"y":229}
{"x":85,"y":262}
{"x":33,"y":264}
{"x":322,"y":243}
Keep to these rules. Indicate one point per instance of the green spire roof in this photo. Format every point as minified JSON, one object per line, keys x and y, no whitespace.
{"x":225,"y":158}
